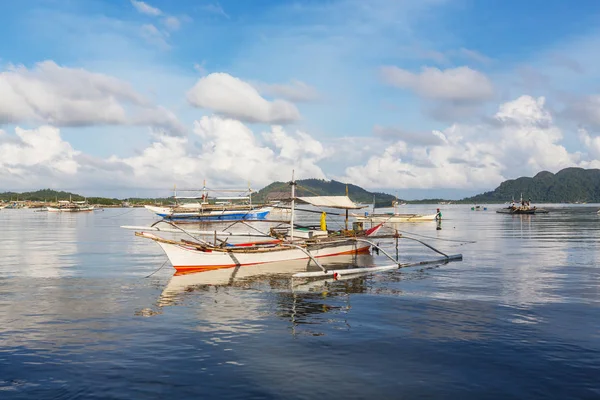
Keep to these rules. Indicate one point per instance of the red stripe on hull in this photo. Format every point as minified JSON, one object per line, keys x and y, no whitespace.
{"x":185,"y":269}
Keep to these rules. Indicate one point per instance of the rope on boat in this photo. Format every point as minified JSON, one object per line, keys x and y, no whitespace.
{"x":118,"y":215}
{"x":204,"y":242}
{"x":427,"y":245}
{"x":163,"y":264}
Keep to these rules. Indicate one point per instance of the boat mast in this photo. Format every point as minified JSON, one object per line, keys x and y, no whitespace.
{"x":293,"y":183}
{"x":250,"y":194}
{"x":346,"y":209}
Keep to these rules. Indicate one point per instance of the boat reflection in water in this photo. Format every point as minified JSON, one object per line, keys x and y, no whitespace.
{"x":273,"y":276}
{"x":222,"y":302}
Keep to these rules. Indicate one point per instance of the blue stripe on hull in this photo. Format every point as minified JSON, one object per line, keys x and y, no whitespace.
{"x":219,"y":217}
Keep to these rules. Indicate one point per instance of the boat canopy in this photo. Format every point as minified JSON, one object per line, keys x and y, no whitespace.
{"x":331,"y":202}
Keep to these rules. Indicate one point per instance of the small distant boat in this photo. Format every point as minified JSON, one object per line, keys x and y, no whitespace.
{"x":393,"y":217}
{"x":478,"y":208}
{"x":71,"y":206}
{"x":524,"y":208}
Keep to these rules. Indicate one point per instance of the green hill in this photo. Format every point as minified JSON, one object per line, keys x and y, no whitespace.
{"x":567,"y":185}
{"x":53,"y":195}
{"x":320,"y":187}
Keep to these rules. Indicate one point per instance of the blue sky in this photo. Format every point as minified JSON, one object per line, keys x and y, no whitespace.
{"x":396,"y":95}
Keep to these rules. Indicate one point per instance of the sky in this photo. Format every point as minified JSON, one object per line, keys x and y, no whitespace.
{"x":418,"y":98}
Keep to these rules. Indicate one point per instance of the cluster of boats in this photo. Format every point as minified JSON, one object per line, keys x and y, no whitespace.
{"x":212,"y":249}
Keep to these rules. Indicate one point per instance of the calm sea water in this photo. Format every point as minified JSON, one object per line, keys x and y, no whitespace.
{"x":519,"y":317}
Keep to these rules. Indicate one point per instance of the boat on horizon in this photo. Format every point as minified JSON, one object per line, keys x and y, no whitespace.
{"x":71,"y":206}
{"x":524,"y":207}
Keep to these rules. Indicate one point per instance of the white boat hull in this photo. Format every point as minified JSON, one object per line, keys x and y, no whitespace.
{"x":394,"y":218}
{"x":70,"y":210}
{"x":189,"y":259}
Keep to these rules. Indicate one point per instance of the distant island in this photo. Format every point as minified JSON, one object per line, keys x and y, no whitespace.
{"x":321,"y":187}
{"x":570,"y":185}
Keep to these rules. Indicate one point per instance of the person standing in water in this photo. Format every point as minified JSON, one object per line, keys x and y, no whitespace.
{"x":438,"y":219}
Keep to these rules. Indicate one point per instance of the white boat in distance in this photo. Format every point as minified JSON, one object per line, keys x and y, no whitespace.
{"x":71,"y":206}
{"x":394,"y":218}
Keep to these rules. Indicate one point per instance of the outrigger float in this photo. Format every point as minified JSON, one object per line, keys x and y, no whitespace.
{"x":279,"y":246}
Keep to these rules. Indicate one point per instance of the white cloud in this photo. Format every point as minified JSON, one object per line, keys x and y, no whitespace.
{"x":522,"y":140}
{"x":591,"y":143}
{"x":62,"y":96}
{"x":223,"y":151}
{"x":145,"y":8}
{"x":456,"y":84}
{"x":37,"y":156}
{"x":232,"y":97}
{"x":295,"y":91}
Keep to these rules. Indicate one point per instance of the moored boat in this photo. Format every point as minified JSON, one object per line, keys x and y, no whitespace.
{"x":206,"y":214}
{"x":524,"y":207}
{"x":71,"y":206}
{"x":395,"y":218}
{"x":204,"y":207}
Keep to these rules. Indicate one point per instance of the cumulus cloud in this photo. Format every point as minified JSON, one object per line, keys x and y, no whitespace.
{"x":591,"y":143}
{"x":62,"y":96}
{"x":224,"y":151}
{"x":232,"y":97}
{"x":461,"y":84}
{"x":36,"y":156}
{"x":522,"y":140}
{"x":295,"y":91}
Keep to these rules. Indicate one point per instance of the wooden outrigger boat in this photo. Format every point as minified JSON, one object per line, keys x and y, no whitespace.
{"x":71,"y":206}
{"x":395,"y":218}
{"x":524,"y":207}
{"x":207,"y":214}
{"x":220,"y":209}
